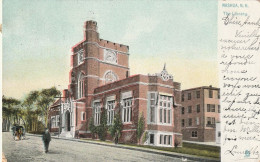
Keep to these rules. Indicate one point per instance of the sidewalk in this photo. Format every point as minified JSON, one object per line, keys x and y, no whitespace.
{"x":165,"y":153}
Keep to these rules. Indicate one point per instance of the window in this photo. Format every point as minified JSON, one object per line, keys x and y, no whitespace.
{"x":198,"y":121}
{"x":218,"y":94}
{"x":189,"y":96}
{"x":165,"y":139}
{"x":169,"y":116}
{"x":190,"y":121}
{"x":80,"y":86}
{"x":211,"y":108}
{"x":219,"y":134}
{"x":210,"y":94}
{"x":194,"y":134}
{"x":80,"y":57}
{"x":182,"y":97}
{"x":208,"y":107}
{"x":189,"y":109}
{"x":198,"y":94}
{"x":165,"y":109}
{"x":182,"y":110}
{"x":127,"y":110}
{"x":152,"y":106}
{"x":110,"y":111}
{"x":83,"y":116}
{"x":218,"y":108}
{"x":161,"y":115}
{"x":97,"y":113}
{"x":198,"y":108}
{"x":210,"y":120}
{"x":164,"y":115}
{"x":183,"y":122}
{"x":53,"y":123}
{"x":151,"y":138}
{"x":213,"y":120}
{"x":57,"y":120}
{"x":169,"y":140}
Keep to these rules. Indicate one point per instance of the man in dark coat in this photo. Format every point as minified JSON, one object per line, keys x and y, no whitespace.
{"x":46,"y":138}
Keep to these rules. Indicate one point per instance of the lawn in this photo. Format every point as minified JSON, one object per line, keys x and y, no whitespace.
{"x":187,"y":148}
{"x":191,"y":149}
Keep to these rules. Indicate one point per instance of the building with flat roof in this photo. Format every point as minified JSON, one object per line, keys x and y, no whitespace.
{"x":198,"y":114}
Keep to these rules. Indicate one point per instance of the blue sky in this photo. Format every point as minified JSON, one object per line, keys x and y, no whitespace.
{"x":38,"y":36}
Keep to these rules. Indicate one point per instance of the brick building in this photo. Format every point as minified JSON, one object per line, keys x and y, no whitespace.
{"x":198,"y":114}
{"x":100,"y":79}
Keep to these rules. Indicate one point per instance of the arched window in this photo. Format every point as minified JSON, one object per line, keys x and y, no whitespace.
{"x":80,"y":86}
{"x":110,"y":76}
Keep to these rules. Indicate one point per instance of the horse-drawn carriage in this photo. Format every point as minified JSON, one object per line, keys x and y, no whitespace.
{"x":18,"y":132}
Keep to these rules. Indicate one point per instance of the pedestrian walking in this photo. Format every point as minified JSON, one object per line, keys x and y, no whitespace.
{"x":46,"y":138}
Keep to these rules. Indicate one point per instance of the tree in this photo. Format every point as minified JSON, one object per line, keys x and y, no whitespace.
{"x":140,"y":127}
{"x":29,"y":105}
{"x":45,"y":99}
{"x":92,"y":127}
{"x":116,"y":128}
{"x":102,"y":128}
{"x":11,"y":109}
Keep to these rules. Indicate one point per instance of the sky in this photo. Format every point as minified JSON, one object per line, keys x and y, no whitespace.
{"x":38,"y":36}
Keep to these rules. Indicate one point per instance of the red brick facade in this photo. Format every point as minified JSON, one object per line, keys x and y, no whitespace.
{"x":199,"y":113}
{"x":100,"y":79}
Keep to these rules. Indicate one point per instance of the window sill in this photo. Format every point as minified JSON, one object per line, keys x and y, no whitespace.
{"x":164,"y":124}
{"x":126,"y":123}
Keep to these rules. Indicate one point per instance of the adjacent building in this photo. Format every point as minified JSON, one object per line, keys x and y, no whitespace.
{"x":198,"y":114}
{"x":100,"y":80}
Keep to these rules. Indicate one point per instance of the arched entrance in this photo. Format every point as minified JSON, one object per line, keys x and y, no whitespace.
{"x":67,"y":117}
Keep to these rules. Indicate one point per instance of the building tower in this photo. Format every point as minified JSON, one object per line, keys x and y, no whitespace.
{"x":94,"y":62}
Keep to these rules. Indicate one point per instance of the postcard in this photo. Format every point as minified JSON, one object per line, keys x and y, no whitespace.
{"x":130,"y":80}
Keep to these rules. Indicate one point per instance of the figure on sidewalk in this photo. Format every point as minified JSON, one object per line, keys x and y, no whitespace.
{"x":46,"y":138}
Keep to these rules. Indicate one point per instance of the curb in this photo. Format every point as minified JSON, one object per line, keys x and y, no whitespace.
{"x":159,"y":152}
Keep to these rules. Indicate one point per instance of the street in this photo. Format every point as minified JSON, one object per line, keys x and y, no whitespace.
{"x":31,"y":149}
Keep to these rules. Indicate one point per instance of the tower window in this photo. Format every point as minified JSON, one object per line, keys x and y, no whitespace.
{"x":80,"y":57}
{"x":80,"y":86}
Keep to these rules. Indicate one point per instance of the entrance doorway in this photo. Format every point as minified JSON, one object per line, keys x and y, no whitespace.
{"x":67,"y":120}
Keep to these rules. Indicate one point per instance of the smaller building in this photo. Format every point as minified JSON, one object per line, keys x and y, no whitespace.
{"x":199,"y":113}
{"x":54,"y":117}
